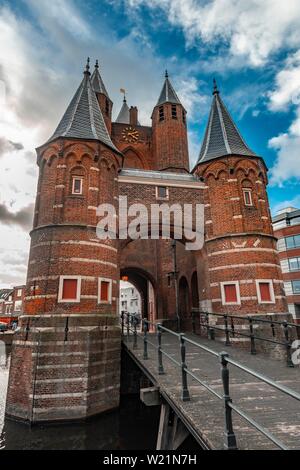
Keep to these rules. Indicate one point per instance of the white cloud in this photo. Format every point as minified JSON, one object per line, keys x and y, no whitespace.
{"x":287,"y":145}
{"x":252,"y":30}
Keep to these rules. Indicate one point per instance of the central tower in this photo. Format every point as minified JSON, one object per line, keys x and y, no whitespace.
{"x":170,"y":146}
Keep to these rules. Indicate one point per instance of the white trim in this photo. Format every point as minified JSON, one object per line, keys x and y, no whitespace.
{"x":105,"y":279}
{"x":166,"y":198}
{"x":249,"y":192}
{"x":162,"y":182}
{"x":272,"y":295}
{"x":74,"y":178}
{"x":238,"y":295}
{"x":60,"y":289}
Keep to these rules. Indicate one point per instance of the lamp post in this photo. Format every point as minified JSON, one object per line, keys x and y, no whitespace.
{"x":175,"y":277}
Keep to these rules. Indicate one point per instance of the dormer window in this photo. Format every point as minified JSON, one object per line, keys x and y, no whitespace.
{"x":174,"y":111}
{"x":247,"y":197}
{"x":77,"y":185}
{"x":161,"y":113}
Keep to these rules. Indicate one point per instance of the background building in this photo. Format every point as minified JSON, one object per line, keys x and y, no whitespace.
{"x":286,"y":227}
{"x":11,"y":303}
{"x":130,"y":299}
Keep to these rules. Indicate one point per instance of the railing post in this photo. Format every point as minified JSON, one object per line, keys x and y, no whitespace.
{"x":160,"y":363}
{"x":134,"y":333}
{"x":66,"y":329}
{"x":207,"y":324}
{"x":185,"y":396}
{"x":127,"y":324}
{"x":122,"y":322}
{"x":232,"y":327}
{"x":145,"y":328}
{"x":227,"y":341}
{"x":193,"y":322}
{"x":230,"y":440}
{"x":252,"y":339}
{"x":27,"y":329}
{"x":288,"y":345}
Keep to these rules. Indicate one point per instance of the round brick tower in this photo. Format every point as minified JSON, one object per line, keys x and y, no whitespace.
{"x":66,"y":354}
{"x":243,"y":266}
{"x":169,"y":132}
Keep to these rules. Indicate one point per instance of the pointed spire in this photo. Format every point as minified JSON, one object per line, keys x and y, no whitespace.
{"x":97,"y":81}
{"x":124,"y":115}
{"x":222,"y":137}
{"x":168,"y":94}
{"x":83,"y":118}
{"x":215,"y":91}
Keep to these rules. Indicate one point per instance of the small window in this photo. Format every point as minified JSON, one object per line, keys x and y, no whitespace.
{"x":174,"y":111}
{"x":247,"y":197}
{"x":265,"y":291}
{"x":161,"y":113}
{"x":105,"y":291}
{"x":162,"y":192}
{"x":183,"y":117}
{"x":230,"y":293}
{"x":296,"y":287}
{"x":294,"y":264}
{"x":292,"y":242}
{"x":69,"y":289}
{"x":10,"y":298}
{"x":77,"y":185}
{"x":19,"y":292}
{"x":106,"y":107}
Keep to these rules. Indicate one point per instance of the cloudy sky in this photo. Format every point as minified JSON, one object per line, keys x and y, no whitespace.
{"x":252,"y":48}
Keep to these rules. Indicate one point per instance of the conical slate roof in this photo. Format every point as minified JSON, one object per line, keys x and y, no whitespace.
{"x":83,"y":118}
{"x":222,"y":137}
{"x":124,"y":116}
{"x":97,"y":81}
{"x":168,"y":94}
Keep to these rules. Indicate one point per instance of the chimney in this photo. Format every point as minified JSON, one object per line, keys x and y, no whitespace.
{"x":133,"y":116}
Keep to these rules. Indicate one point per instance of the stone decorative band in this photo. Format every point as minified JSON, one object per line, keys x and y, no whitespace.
{"x":93,"y":242}
{"x":237,"y":250}
{"x":245,"y":265}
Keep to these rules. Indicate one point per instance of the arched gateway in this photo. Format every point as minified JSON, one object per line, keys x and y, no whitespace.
{"x":66,"y":354}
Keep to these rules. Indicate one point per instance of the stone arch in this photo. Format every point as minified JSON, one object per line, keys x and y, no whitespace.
{"x":146,"y":285}
{"x":133,"y":159}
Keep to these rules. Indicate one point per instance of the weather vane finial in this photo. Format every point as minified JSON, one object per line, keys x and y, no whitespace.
{"x":166,"y":74}
{"x":97,"y":64}
{"x":87,"y":67}
{"x":122,"y":90}
{"x":216,"y":91}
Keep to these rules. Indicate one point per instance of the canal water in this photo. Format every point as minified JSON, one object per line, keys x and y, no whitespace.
{"x":132,"y":427}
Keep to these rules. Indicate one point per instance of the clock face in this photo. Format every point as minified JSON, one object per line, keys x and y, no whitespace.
{"x":130,"y":134}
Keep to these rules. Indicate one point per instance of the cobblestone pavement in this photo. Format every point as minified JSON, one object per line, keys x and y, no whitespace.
{"x":277,"y":412}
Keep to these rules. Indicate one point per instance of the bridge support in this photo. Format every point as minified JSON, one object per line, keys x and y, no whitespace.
{"x":171,"y":432}
{"x":64,"y":367}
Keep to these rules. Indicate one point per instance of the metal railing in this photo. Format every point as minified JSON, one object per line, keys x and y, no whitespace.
{"x":130,"y":323}
{"x":229,"y":328}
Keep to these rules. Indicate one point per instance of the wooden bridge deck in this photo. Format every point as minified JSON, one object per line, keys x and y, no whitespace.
{"x":204,"y":413}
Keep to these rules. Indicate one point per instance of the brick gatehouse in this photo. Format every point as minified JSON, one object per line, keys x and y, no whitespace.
{"x":66,"y":354}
